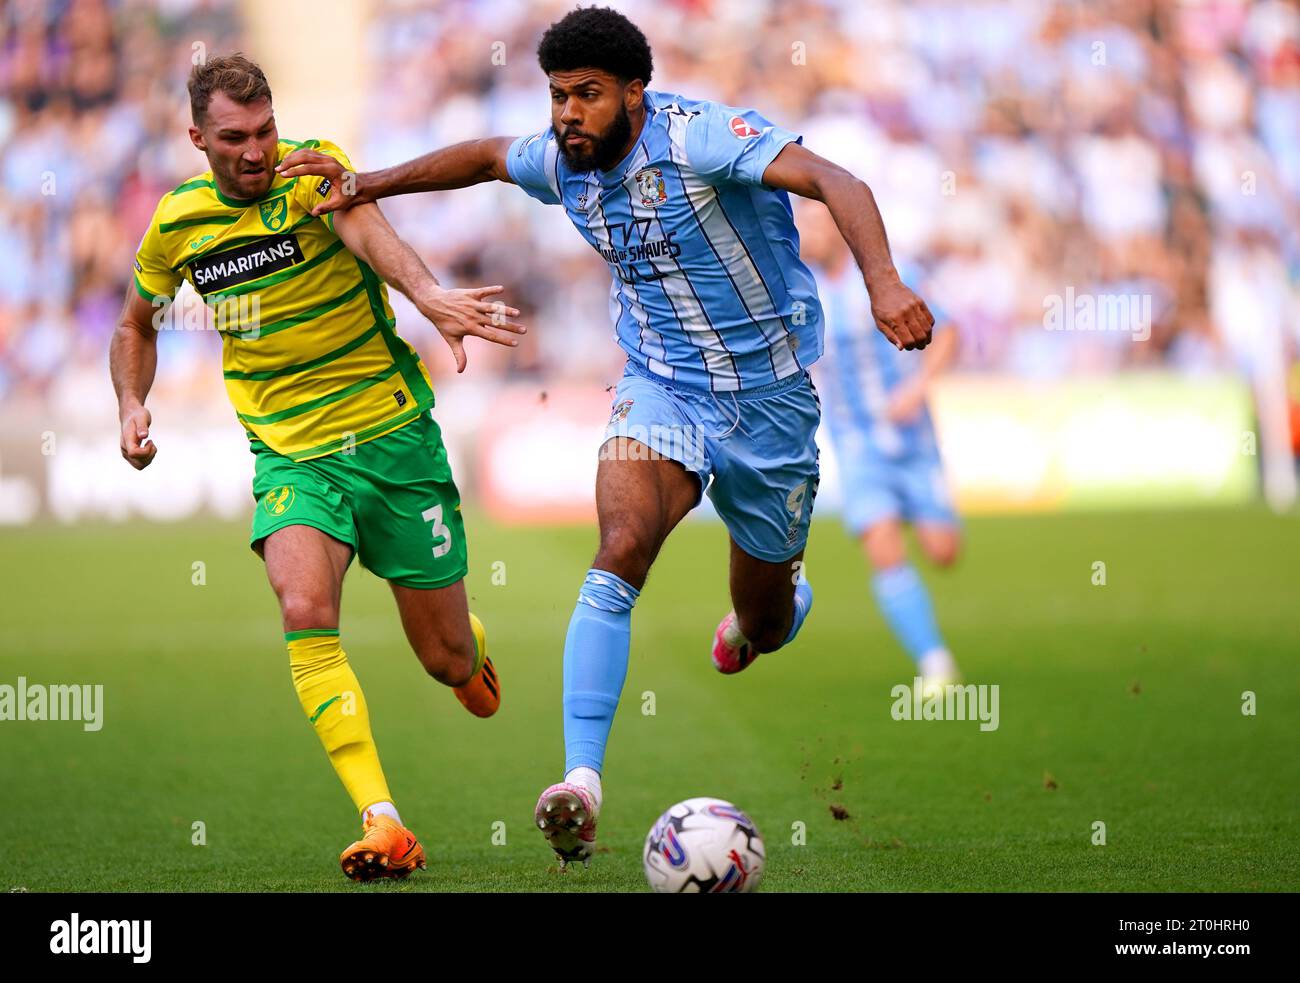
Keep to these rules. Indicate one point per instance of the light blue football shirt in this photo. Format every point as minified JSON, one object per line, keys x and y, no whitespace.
{"x":707,"y":289}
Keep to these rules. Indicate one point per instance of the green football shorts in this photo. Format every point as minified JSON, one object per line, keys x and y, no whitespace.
{"x":392,"y":499}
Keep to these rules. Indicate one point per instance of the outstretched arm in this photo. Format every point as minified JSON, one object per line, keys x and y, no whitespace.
{"x":457,"y":166}
{"x":456,"y":313}
{"x":901,"y":316}
{"x":132,"y":361}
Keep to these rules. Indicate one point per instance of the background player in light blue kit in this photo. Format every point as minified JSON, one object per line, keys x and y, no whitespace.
{"x":688,"y":204}
{"x":874,"y":400}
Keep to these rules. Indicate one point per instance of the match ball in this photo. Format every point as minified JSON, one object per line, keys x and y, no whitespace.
{"x":701,"y":846}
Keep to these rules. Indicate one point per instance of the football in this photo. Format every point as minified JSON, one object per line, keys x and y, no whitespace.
{"x":701,"y":846}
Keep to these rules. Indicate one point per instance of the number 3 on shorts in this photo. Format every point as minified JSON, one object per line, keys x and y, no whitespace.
{"x":440,"y":531}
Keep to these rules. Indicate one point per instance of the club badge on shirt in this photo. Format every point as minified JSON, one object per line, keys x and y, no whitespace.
{"x":650,"y":182}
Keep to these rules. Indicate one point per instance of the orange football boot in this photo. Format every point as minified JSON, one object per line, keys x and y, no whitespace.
{"x":481,"y":696}
{"x":386,"y":849}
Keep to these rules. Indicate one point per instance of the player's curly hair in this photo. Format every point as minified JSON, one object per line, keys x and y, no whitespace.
{"x":235,"y":75}
{"x":596,"y":37}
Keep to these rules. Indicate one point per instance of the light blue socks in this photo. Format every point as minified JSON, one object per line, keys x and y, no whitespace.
{"x":905,"y":603}
{"x":595,"y":666}
{"x":803,"y":598}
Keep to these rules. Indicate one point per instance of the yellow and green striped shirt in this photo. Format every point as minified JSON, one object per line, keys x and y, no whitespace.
{"x":311,"y":357}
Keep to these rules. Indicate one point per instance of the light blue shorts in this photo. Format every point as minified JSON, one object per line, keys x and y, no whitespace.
{"x":912,"y":488}
{"x":758,"y":447}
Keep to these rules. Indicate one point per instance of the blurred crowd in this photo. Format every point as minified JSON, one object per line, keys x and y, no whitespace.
{"x":1017,"y":148}
{"x":92,"y":101}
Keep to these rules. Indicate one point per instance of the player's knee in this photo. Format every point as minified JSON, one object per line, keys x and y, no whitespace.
{"x":884,"y":546}
{"x":943,"y":551}
{"x":303,"y":609}
{"x":945,"y":555}
{"x":448,"y":660}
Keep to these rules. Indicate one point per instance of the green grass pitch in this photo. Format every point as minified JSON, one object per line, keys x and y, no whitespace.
{"x":1119,"y":703}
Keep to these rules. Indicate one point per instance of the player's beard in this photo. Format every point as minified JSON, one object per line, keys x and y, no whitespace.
{"x":606,"y":150}
{"x":234,"y":180}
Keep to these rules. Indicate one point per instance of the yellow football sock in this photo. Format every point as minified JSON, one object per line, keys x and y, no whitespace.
{"x":332,"y":699}
{"x":480,"y":643}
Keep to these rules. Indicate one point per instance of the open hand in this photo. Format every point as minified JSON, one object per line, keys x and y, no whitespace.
{"x":458,"y":313}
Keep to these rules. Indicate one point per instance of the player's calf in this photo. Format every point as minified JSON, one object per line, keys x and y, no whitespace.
{"x":737,"y":642}
{"x":628,"y":551}
{"x":451,"y":661}
{"x":465,"y":668}
{"x":765,"y":630}
{"x":771,"y":599}
{"x":450,"y":643}
{"x":640,"y":498}
{"x":437,"y":626}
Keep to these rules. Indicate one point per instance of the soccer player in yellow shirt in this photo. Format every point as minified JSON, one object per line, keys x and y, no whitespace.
{"x":336,"y":407}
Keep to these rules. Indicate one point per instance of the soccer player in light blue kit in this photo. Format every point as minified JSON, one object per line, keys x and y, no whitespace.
{"x":688,"y":203}
{"x":874,"y":401}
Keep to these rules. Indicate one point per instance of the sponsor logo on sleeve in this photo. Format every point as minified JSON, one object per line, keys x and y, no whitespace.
{"x":741,"y":129}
